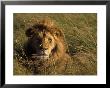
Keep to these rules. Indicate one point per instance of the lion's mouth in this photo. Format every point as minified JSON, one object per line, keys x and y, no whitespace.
{"x":42,"y":56}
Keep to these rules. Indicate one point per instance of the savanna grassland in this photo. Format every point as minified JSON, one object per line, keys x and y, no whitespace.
{"x":80,"y":30}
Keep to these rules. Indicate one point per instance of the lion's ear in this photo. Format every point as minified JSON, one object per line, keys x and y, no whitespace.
{"x":59,"y":33}
{"x":29,"y":32}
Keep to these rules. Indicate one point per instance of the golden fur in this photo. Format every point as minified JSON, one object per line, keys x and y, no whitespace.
{"x":52,"y":39}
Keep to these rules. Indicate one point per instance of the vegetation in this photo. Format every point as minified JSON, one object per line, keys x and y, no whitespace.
{"x":80,"y":30}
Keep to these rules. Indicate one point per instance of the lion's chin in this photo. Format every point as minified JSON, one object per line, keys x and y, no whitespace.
{"x":40,"y":56}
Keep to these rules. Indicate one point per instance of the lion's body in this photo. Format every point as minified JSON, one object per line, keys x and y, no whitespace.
{"x":47,"y":48}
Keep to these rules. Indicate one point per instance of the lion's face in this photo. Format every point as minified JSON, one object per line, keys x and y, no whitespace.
{"x":45,"y":41}
{"x":42,"y":43}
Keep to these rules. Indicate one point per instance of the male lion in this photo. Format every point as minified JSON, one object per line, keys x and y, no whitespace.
{"x":47,"y":48}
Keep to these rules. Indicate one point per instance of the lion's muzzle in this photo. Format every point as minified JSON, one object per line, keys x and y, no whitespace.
{"x":41,"y":54}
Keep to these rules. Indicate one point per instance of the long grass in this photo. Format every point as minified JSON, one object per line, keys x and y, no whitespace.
{"x":80,"y":30}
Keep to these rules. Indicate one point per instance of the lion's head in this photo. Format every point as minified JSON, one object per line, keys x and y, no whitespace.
{"x":45,"y":41}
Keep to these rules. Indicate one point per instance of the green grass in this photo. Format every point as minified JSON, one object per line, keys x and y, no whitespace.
{"x":80,"y":30}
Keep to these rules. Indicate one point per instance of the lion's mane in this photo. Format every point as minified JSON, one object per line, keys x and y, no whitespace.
{"x":57,"y":62}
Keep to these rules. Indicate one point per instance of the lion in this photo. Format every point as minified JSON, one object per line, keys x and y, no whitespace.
{"x":47,"y":47}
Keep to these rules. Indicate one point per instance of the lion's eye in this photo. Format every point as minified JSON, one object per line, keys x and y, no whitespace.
{"x":50,"y":40}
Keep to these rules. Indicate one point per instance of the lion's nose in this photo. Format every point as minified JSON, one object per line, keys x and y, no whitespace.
{"x":45,"y":48}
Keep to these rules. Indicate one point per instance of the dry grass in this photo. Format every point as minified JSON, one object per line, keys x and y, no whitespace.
{"x":81,"y":35}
